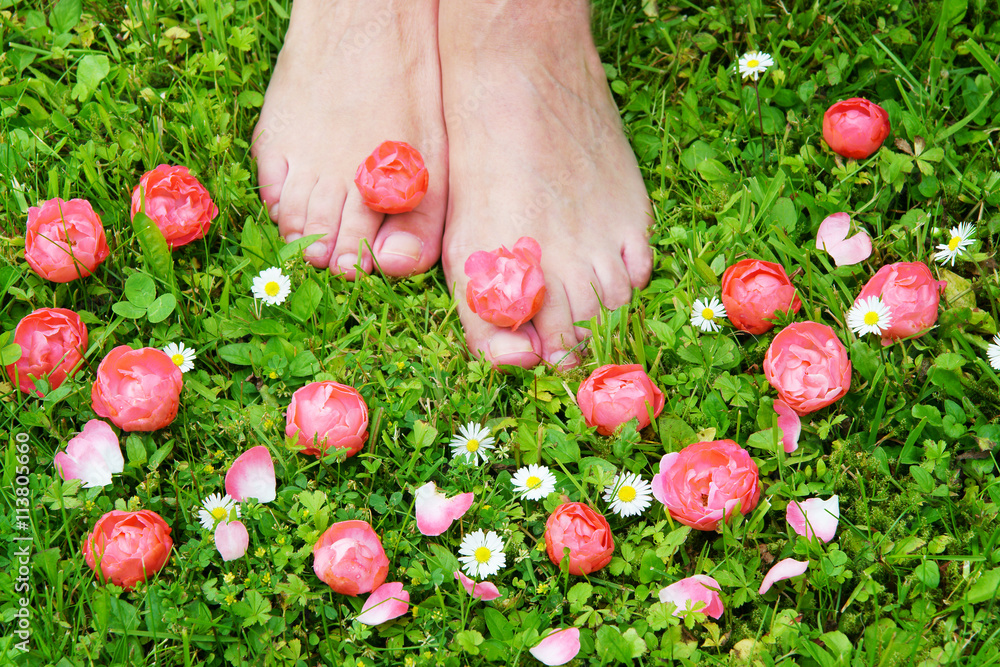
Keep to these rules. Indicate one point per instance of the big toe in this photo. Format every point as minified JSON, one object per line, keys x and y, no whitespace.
{"x":409,"y":243}
{"x":501,"y":347}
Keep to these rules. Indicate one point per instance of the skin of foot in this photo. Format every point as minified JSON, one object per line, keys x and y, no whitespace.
{"x":351,"y":75}
{"x":536,"y":148}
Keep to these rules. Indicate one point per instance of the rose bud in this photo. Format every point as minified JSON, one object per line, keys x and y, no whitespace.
{"x":129,"y":546}
{"x":910,"y":293}
{"x":707,"y":482}
{"x":855,"y":128}
{"x":65,"y":240}
{"x":614,"y":394}
{"x":327,"y":414}
{"x":350,"y":559}
{"x":138,"y":390}
{"x":752,"y":290}
{"x":506,"y":287}
{"x":808,"y":366}
{"x":585,"y":532}
{"x":52,"y":342}
{"x":393,"y":179}
{"x":176,"y":202}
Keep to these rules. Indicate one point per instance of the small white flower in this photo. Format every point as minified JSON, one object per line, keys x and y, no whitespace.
{"x":182,"y":356}
{"x":869,"y":316}
{"x":704,"y":314}
{"x":993,"y":352}
{"x":216,"y":508}
{"x":473,"y":442}
{"x":754,"y":64}
{"x":482,"y":554}
{"x":962,"y":237}
{"x":272,"y":286}
{"x":534,"y":482}
{"x":628,"y":494}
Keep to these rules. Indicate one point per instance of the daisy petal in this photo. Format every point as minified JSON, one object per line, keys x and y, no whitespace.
{"x":482,"y":590}
{"x":386,"y":602}
{"x":435,"y":511}
{"x":790,"y":425}
{"x":559,"y":647}
{"x":231,"y":539}
{"x":783,"y":569}
{"x":814,"y":517}
{"x":832,"y":237}
{"x":252,"y":476}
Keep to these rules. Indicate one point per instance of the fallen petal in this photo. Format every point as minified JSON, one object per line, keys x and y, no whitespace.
{"x":814,"y":517}
{"x":783,"y":569}
{"x":435,"y":511}
{"x":832,"y":237}
{"x":483,"y":590}
{"x":386,"y":602}
{"x":686,"y":593}
{"x":92,"y":456}
{"x":559,"y":647}
{"x":252,"y":476}
{"x":790,"y":425}
{"x":231,"y":539}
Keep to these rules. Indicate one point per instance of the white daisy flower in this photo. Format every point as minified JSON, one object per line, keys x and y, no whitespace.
{"x":869,"y":316}
{"x":182,"y":356}
{"x":482,"y":554}
{"x":993,"y":352}
{"x":216,"y":508}
{"x":272,"y":286}
{"x":473,"y":442}
{"x":628,"y":494}
{"x":705,"y":312}
{"x":755,"y":63}
{"x":533,"y":482}
{"x":962,"y":237}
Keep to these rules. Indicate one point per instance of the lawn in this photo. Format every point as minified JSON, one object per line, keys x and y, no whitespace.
{"x":95,"y":93}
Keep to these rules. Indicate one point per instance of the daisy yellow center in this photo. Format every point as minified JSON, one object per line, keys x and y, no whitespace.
{"x":626,"y":494}
{"x":708,"y":314}
{"x":219,"y":513}
{"x":483,"y":555}
{"x":272,"y":288}
{"x":753,"y":63}
{"x":533,"y":482}
{"x":178,"y":359}
{"x":953,"y":243}
{"x":871,"y":317}
{"x":472,"y":445}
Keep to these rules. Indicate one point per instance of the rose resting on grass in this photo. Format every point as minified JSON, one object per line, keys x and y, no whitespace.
{"x":52,"y":342}
{"x":614,"y":394}
{"x":327,"y":414}
{"x":176,"y":202}
{"x":808,"y":366}
{"x":128,"y":547}
{"x":752,"y":290}
{"x":585,"y":532}
{"x":350,"y":559}
{"x":138,"y":390}
{"x":64,"y":240}
{"x":855,"y":128}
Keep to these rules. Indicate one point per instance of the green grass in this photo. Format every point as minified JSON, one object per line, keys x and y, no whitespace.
{"x":91,"y":100}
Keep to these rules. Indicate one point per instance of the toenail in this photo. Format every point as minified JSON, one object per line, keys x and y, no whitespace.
{"x":347,"y":261}
{"x":272,"y":210}
{"x":403,"y":244}
{"x":317,"y":250}
{"x":562,"y":359}
{"x":506,"y":343}
{"x":292,"y":238}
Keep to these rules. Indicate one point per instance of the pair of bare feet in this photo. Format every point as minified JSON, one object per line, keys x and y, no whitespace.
{"x":509,"y":105}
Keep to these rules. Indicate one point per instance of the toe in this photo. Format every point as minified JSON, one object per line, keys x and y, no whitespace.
{"x":272,"y":169}
{"x":638,"y":258}
{"x":409,"y":243}
{"x":294,"y":203}
{"x":554,"y":324}
{"x":614,"y":283}
{"x":358,"y":227}
{"x":326,"y":203}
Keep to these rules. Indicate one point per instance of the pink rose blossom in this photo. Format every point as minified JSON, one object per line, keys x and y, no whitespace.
{"x":808,"y":366}
{"x":783,"y":569}
{"x":176,"y":202}
{"x":911,"y":294}
{"x":327,"y":414}
{"x":52,"y":341}
{"x":558,"y":647}
{"x":697,"y":593}
{"x":855,"y":128}
{"x":482,"y":590}
{"x":506,"y":287}
{"x":64,"y":240}
{"x":585,"y":532}
{"x":127,"y":547}
{"x":706,"y":482}
{"x":393,"y":179}
{"x":252,"y":476}
{"x":138,"y":390}
{"x":350,"y":559}
{"x":386,"y":602}
{"x":435,"y":511}
{"x":614,"y":394}
{"x":832,"y":237}
{"x":814,"y":517}
{"x":752,"y":290}
{"x":93,"y":456}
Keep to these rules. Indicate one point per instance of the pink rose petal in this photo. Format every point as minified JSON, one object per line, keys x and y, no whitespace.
{"x":783,"y":569}
{"x":832,"y":237}
{"x":386,"y":602}
{"x":252,"y":476}
{"x":483,"y":590}
{"x":93,"y":456}
{"x":559,"y":647}
{"x":814,"y":517}
{"x":436,"y":511}
{"x":687,"y":593}
{"x":790,"y":425}
{"x":231,"y":539}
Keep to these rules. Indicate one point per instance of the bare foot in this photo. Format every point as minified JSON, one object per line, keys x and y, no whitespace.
{"x":350,"y":76}
{"x":537,"y":149}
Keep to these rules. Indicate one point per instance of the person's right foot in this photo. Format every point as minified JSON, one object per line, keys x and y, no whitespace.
{"x":350,"y":76}
{"x":537,"y":149}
